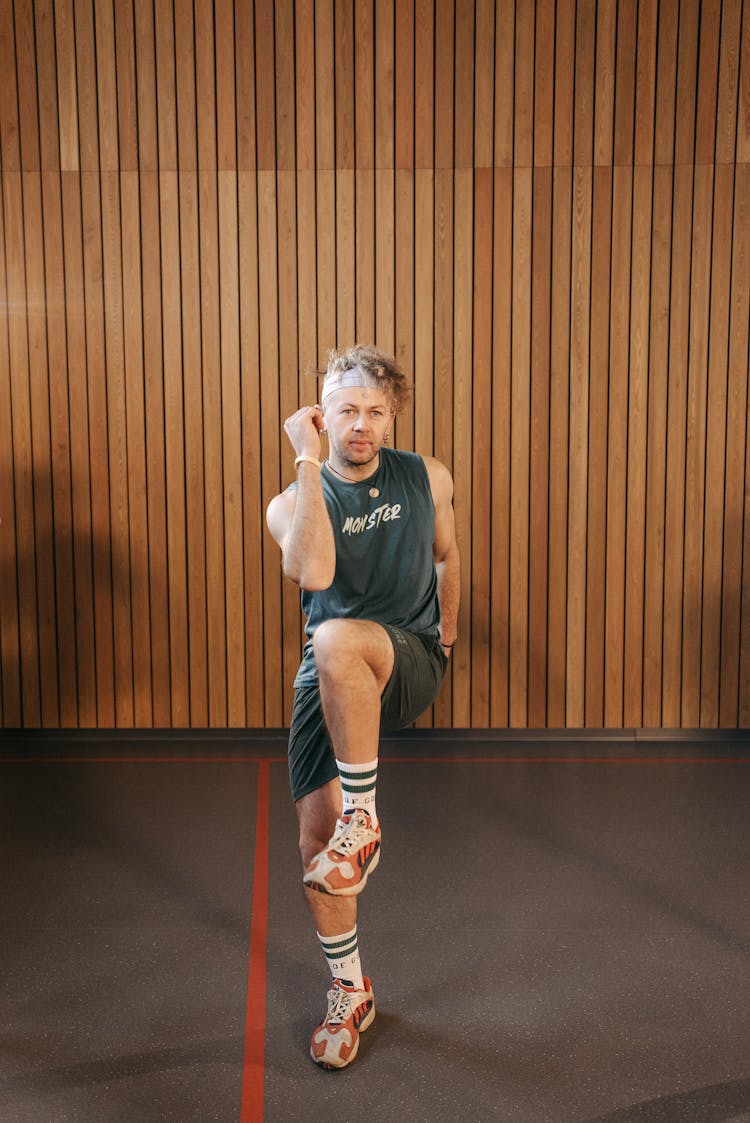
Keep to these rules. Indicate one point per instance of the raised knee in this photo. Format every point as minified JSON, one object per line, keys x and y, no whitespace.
{"x":331,"y":640}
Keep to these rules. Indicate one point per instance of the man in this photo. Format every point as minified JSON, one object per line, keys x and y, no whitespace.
{"x":369,"y":537}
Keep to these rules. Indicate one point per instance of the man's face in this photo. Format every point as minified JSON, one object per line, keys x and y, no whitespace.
{"x":357,"y":419}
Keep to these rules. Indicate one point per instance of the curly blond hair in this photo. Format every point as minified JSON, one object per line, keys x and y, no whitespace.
{"x":379,"y":366}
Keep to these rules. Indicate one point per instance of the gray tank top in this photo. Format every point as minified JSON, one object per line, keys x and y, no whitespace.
{"x":384,"y":564}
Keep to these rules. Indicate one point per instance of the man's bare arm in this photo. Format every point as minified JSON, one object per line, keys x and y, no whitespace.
{"x":298,"y":519}
{"x":445,"y":550}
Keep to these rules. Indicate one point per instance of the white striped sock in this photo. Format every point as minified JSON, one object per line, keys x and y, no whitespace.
{"x":358,"y":783}
{"x":342,"y":955}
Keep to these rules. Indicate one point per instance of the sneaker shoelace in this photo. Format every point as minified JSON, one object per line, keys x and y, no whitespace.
{"x":339,"y":1006}
{"x":354,"y":835}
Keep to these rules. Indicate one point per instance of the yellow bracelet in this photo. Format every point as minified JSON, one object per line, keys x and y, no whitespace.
{"x":309,"y":459}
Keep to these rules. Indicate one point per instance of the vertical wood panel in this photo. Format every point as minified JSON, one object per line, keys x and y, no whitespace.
{"x":44,"y":21}
{"x":502,"y":251}
{"x":88,"y":109}
{"x":653,"y":616}
{"x":211,"y":432}
{"x":27,"y":86}
{"x":404,"y":292}
{"x":716,"y":446}
{"x":481,"y":447}
{"x":9,"y":140}
{"x":558,"y":454}
{"x":194,"y":472}
{"x":424,"y":84}
{"x":114,"y":357}
{"x":10,"y":653}
{"x":708,"y":64}
{"x":606,"y":72}
{"x":127,"y":117}
{"x":60,"y":458}
{"x":444,"y":88}
{"x":520,"y":407}
{"x":727,"y":100}
{"x":174,"y":449}
{"x":385,"y":261}
{"x":249,"y":280}
{"x":135,"y":422}
{"x":544,"y":82}
{"x":40,"y":482}
{"x":687,"y":71}
{"x":226,"y":126}
{"x":464,"y":87}
{"x":462,"y":430}
{"x":231,"y":444}
{"x":145,"y":60}
{"x":443,"y":356}
{"x":695,"y":454}
{"x":627,"y":32}
{"x":424,"y":286}
{"x":614,"y":670}
{"x":635,"y":511}
{"x":99,"y":448}
{"x":540,"y":208}
{"x":268,"y":403}
{"x":384,"y":85}
{"x":583,"y":128}
{"x":284,"y":71}
{"x":505,"y":37}
{"x":539,"y":445}
{"x":664,"y":137}
{"x":244,"y":29}
{"x":596,"y":518}
{"x":106,"y":85}
{"x":156,"y":484}
{"x":364,"y":79}
{"x":580,"y":313}
{"x":404,"y":84}
{"x":289,"y":400}
{"x":736,"y":485}
{"x":742,"y":154}
{"x":676,"y":427}
{"x":81,"y":492}
{"x":645,"y":81}
{"x":19,"y":624}
{"x":424,"y":319}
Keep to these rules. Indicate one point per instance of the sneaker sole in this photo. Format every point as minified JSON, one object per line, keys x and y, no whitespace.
{"x":367,"y":1022}
{"x":347,"y":891}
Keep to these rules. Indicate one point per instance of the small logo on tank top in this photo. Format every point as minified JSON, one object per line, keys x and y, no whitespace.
{"x":383,"y":514}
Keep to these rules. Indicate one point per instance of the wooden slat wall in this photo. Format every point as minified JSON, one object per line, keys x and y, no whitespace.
{"x":543,"y":208}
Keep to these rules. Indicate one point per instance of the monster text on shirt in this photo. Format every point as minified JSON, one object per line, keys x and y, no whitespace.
{"x":385,"y":513}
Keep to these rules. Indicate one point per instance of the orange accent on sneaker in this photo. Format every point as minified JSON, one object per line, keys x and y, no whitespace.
{"x":335,"y":1042}
{"x":351,"y":856}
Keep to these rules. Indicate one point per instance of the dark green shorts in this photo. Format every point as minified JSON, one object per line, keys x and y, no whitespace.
{"x":418,"y":672}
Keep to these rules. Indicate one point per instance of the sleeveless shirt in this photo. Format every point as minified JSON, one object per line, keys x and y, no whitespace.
{"x":384,"y":564}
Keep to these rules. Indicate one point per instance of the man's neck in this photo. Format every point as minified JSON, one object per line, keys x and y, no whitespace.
{"x":354,"y":473}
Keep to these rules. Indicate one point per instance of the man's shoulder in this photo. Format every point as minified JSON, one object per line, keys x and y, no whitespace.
{"x":403,"y":458}
{"x":279,"y":512}
{"x":428,"y":468}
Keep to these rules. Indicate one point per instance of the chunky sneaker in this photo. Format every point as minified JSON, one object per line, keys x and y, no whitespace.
{"x":335,"y":1042}
{"x":352,"y":854}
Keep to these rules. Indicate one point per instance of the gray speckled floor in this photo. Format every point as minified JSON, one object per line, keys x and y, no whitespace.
{"x":562,"y":940}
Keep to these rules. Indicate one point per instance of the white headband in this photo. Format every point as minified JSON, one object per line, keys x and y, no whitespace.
{"x":355,"y":376}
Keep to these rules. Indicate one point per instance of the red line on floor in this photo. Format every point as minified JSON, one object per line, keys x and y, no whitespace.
{"x":253,"y":1071}
{"x":564,"y":760}
{"x":143,"y":760}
